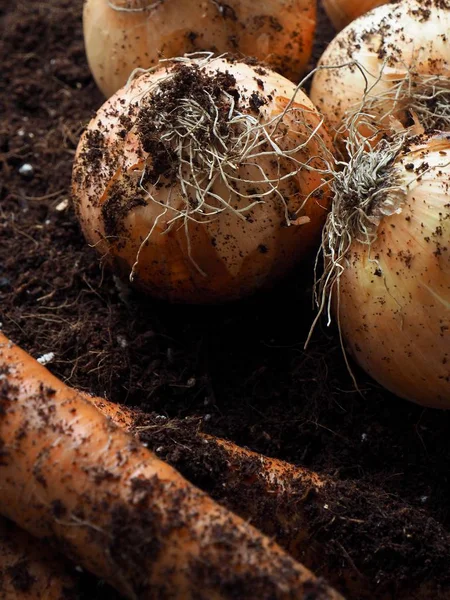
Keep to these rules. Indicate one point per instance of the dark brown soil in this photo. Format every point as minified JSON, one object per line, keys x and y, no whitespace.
{"x":240,"y":370}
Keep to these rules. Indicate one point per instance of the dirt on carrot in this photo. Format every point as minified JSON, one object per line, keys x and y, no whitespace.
{"x":239,"y":370}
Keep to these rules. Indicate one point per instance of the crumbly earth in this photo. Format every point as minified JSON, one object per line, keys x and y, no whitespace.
{"x":239,"y":370}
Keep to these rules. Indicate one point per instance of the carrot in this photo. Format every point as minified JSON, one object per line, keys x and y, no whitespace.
{"x":246,"y":470}
{"x":29,"y":570}
{"x":284,"y":501}
{"x":311,"y":516}
{"x":272,"y":494}
{"x":69,"y":474}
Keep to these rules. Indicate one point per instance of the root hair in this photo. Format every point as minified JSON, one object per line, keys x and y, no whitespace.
{"x":366,"y":188}
{"x":239,"y":141}
{"x":414,"y":102}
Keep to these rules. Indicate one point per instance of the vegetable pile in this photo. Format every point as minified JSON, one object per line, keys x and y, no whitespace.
{"x":207,"y":178}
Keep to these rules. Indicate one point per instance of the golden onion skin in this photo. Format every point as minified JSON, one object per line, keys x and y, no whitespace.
{"x":343,"y":12}
{"x":394,"y":301}
{"x":280,"y":32}
{"x":390,"y":40}
{"x":236,"y":256}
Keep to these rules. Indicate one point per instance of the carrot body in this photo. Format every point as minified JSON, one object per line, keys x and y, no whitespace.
{"x":269,"y":477}
{"x":309,"y":515}
{"x":29,"y":570}
{"x":69,"y":474}
{"x":278,"y":493}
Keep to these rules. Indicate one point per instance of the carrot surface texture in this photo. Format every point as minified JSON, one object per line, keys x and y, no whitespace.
{"x":30,"y":570}
{"x":68,"y":474}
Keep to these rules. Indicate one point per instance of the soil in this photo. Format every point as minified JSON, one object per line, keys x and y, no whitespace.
{"x":238,"y":371}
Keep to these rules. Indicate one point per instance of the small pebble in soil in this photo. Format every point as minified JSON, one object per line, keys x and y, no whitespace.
{"x":62,"y":205}
{"x":46,"y":358}
{"x":122,"y":341}
{"x":26,"y":170}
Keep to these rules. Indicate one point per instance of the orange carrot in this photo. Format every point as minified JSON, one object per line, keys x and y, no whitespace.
{"x":69,"y":474}
{"x":242,"y":468}
{"x":29,"y":570}
{"x":246,"y":470}
{"x":310,"y":515}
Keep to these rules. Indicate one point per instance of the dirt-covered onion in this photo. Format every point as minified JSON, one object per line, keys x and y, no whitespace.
{"x":202,"y":180}
{"x":121,"y":35}
{"x":396,"y":73}
{"x":387,"y":265}
{"x":343,"y":12}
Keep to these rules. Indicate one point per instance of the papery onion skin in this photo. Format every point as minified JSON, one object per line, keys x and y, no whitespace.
{"x":279,"y":32}
{"x":410,"y":35}
{"x":236,"y":256}
{"x":343,"y":12}
{"x":394,"y":300}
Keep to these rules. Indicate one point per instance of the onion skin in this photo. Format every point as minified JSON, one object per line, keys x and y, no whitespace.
{"x":343,"y":12}
{"x":236,"y":256}
{"x":406,"y":35}
{"x":395,"y":314}
{"x":279,"y":32}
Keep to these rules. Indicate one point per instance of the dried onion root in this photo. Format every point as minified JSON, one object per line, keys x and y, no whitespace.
{"x":204,"y":180}
{"x":121,"y":35}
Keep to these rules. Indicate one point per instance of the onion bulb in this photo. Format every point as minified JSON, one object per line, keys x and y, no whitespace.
{"x":121,"y":35}
{"x":203,"y":180}
{"x":343,"y":12}
{"x":388,"y":70}
{"x":387,"y":265}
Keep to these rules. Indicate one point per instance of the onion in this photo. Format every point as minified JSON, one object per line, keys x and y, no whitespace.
{"x":121,"y":35}
{"x":343,"y":12}
{"x":387,"y":265}
{"x":202,"y":180}
{"x":396,"y":70}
